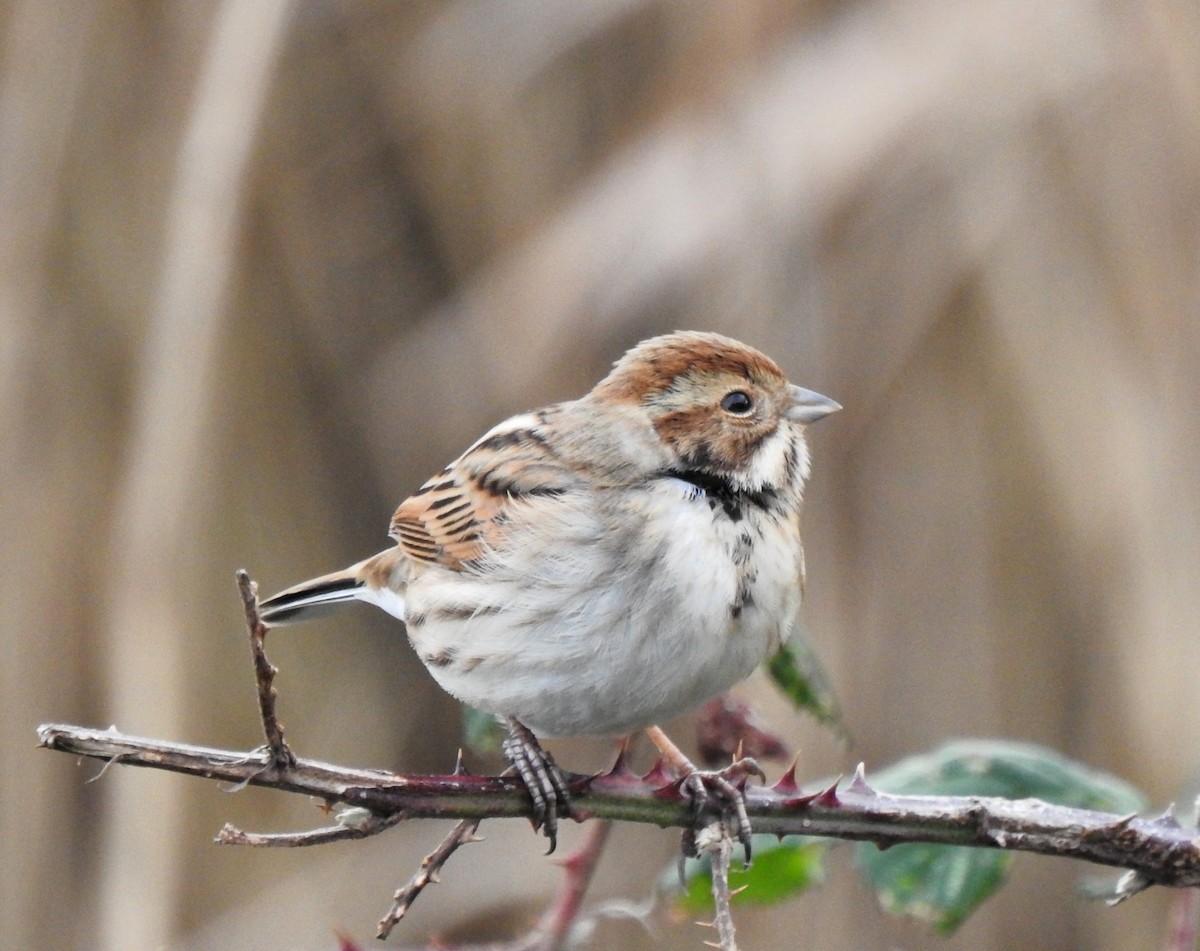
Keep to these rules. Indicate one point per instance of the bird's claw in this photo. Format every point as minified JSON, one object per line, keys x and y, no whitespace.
{"x":543,"y":779}
{"x":721,"y":791}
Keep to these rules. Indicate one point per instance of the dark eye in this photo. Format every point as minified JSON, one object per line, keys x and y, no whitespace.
{"x":737,"y":403}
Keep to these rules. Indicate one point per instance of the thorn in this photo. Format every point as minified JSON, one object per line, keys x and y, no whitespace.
{"x":1122,"y":823}
{"x":787,"y":782}
{"x":800,"y":802}
{"x":859,"y":784}
{"x":620,"y":767}
{"x":1167,"y":820}
{"x":738,"y":891}
{"x":711,"y":944}
{"x":460,"y":765}
{"x":738,"y":754}
{"x":658,"y":774}
{"x":829,"y":797}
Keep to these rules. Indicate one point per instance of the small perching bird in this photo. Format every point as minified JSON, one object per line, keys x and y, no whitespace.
{"x":602,"y":564}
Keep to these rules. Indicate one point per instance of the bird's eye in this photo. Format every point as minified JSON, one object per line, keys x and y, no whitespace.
{"x":737,"y":403}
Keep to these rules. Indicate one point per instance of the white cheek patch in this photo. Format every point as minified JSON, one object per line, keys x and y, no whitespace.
{"x":769,"y":466}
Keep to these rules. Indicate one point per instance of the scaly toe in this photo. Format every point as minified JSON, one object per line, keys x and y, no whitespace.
{"x":542,"y":778}
{"x":720,"y":791}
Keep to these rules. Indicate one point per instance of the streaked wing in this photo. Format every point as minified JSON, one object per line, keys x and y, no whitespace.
{"x":459,"y":514}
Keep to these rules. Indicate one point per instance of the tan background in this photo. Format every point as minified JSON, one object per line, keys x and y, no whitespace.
{"x":265,"y":266}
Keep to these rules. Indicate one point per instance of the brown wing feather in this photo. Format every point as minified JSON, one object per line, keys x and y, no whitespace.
{"x":444,"y":523}
{"x":456,"y":516}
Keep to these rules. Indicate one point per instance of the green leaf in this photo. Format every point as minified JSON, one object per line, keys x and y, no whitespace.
{"x":798,"y":672}
{"x":780,"y":870}
{"x":1012,"y":770}
{"x":944,"y":884}
{"x":940,"y":884}
{"x":482,"y":733}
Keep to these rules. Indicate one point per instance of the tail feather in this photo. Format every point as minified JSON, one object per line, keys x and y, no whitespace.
{"x":313,"y":599}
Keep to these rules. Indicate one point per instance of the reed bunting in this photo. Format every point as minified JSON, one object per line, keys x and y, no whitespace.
{"x":601,"y":564}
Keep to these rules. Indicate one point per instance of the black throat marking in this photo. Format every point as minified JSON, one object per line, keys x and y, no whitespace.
{"x":720,"y":490}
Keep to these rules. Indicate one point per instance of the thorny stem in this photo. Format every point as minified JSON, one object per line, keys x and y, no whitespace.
{"x":718,"y":843}
{"x":1158,"y":850}
{"x":557,"y":921}
{"x":427,"y":874}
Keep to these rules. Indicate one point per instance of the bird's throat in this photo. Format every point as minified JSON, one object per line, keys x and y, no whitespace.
{"x":720,"y":490}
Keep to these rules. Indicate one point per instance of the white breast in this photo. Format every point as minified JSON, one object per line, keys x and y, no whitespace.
{"x":611,"y":611}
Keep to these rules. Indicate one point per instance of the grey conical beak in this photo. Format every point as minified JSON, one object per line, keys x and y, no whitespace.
{"x":807,"y":406}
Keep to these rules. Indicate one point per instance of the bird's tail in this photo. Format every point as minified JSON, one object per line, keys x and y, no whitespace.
{"x":376,"y":581}
{"x":312,"y":599}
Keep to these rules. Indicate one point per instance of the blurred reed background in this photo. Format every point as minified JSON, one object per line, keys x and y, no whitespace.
{"x":265,"y":265}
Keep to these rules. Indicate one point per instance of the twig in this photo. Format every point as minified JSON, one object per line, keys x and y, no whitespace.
{"x":554,"y":930}
{"x":431,"y":865}
{"x":264,"y":674}
{"x":1159,"y":850}
{"x":716,"y":841}
{"x":362,"y":825}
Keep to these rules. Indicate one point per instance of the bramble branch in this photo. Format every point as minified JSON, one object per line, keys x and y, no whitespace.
{"x":1158,"y":851}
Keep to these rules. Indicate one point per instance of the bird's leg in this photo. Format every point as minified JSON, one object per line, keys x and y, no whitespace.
{"x":542,"y":778}
{"x":721,"y":785}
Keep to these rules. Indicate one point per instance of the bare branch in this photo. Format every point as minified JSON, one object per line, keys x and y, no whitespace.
{"x":553,"y":931}
{"x":431,"y":866}
{"x":1158,"y":851}
{"x":264,"y":674}
{"x":361,"y":825}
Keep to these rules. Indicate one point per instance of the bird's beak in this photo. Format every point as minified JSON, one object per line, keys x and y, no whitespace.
{"x":807,"y":406}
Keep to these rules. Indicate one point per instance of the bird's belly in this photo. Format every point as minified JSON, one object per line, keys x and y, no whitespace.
{"x":610,"y":635}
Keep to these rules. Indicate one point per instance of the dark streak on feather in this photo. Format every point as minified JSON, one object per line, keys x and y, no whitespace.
{"x":723,"y":492}
{"x":514,"y":437}
{"x":466,"y":612}
{"x":442,"y":658}
{"x":497,"y":484}
{"x":448,"y":500}
{"x":745,"y":595}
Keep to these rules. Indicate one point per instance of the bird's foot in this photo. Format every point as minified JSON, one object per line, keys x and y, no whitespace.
{"x":720,"y":791}
{"x":716,"y":791}
{"x":541,"y":776}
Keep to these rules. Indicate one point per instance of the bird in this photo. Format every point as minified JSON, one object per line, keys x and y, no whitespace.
{"x":604,"y":563}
